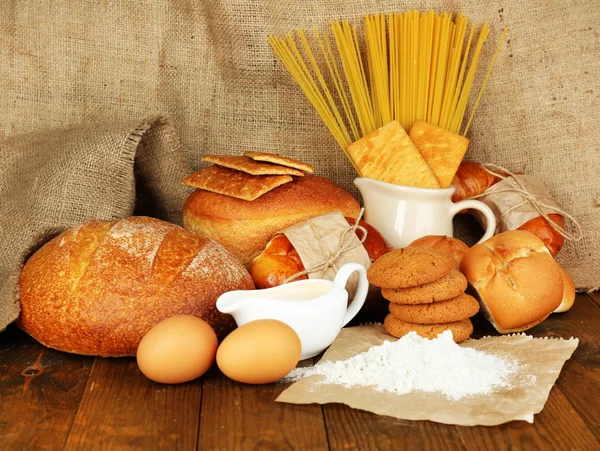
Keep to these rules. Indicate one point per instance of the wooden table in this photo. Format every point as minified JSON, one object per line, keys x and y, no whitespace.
{"x":54,"y":400}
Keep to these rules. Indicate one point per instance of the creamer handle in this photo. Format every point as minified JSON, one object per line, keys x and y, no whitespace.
{"x":490,"y":219}
{"x":361,"y":292}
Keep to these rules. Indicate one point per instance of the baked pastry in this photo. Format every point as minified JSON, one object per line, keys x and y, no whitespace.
{"x":447,"y":287}
{"x":461,"y":307}
{"x":280,"y":260}
{"x":409,"y":267}
{"x":456,"y":247}
{"x":97,"y":288}
{"x":245,"y":227}
{"x":472,"y":179}
{"x":568,"y":292}
{"x":461,"y":330}
{"x":518,"y":282}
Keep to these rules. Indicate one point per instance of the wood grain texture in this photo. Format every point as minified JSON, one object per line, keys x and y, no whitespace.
{"x":349,"y":428}
{"x":122,"y":409}
{"x":559,"y":425}
{"x":65,"y":402}
{"x":556,"y":427}
{"x":40,"y":390}
{"x":580,"y":377}
{"x":246,"y":417}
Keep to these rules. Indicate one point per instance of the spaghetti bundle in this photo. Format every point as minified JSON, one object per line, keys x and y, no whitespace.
{"x":411,"y":66}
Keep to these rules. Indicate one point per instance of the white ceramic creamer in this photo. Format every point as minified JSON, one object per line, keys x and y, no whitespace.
{"x":404,"y":213}
{"x":316,"y":309}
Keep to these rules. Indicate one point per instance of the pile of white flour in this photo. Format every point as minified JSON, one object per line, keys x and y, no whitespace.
{"x":415,"y":363}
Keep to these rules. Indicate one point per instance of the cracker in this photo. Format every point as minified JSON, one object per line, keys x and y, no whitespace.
{"x":387,"y":154}
{"x":234,"y":183}
{"x":281,"y":160}
{"x":250,"y":166}
{"x":442,"y":150}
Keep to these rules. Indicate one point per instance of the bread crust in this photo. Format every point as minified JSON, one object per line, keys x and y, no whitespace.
{"x":472,"y":179}
{"x":96,"y":289}
{"x":568,"y":298}
{"x":245,"y":227}
{"x":516,"y":279}
{"x":280,"y":260}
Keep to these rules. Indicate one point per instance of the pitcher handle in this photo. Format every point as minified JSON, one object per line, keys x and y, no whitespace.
{"x":490,"y":219}
{"x":361,"y":292}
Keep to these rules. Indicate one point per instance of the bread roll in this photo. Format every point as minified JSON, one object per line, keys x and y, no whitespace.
{"x":245,"y":227}
{"x":518,"y":282}
{"x":96,"y":289}
{"x":451,"y":245}
{"x":472,"y":179}
{"x":568,"y":292}
{"x":280,"y":260}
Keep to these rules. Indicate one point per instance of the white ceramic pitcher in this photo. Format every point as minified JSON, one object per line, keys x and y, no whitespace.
{"x":403,"y":213}
{"x":316,"y":309}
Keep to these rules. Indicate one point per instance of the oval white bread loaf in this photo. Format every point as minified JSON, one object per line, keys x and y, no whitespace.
{"x":245,"y":227}
{"x":517,"y":281}
{"x":96,"y":289}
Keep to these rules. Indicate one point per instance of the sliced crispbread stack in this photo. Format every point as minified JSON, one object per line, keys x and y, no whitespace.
{"x":244,"y":177}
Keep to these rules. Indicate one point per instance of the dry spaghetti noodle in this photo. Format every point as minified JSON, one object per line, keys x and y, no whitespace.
{"x":417,"y":67}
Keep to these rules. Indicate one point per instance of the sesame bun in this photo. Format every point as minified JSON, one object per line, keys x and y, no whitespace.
{"x":517,"y":281}
{"x":245,"y":227}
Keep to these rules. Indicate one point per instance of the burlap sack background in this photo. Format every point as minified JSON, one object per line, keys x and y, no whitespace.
{"x":208,"y":66}
{"x":52,"y":180}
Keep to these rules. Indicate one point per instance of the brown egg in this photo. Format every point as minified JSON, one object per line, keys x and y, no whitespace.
{"x":178,"y":349}
{"x":259,"y":352}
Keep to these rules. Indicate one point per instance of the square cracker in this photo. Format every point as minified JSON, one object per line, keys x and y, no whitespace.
{"x":443,"y":150}
{"x":278,"y":159}
{"x":387,"y":154}
{"x":250,"y":166}
{"x":234,"y":183}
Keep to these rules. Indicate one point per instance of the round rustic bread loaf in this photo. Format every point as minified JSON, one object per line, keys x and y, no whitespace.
{"x":245,"y":227}
{"x":97,"y":288}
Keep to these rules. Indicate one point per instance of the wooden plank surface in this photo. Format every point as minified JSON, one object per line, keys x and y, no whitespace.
{"x":65,"y":402}
{"x":122,"y":409}
{"x":246,"y":417}
{"x":559,"y":425}
{"x":580,"y":378}
{"x":349,"y":428}
{"x":40,"y":390}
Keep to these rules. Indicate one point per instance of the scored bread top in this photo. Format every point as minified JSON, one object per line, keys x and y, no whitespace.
{"x":99,"y":287}
{"x":516,"y":278}
{"x":305,"y":194}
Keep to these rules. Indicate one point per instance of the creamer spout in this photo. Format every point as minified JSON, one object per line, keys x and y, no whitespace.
{"x":230,"y":302}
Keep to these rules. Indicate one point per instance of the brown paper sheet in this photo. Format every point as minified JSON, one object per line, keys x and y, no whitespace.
{"x":501,"y":202}
{"x":542,"y":358}
{"x":318,"y":238}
